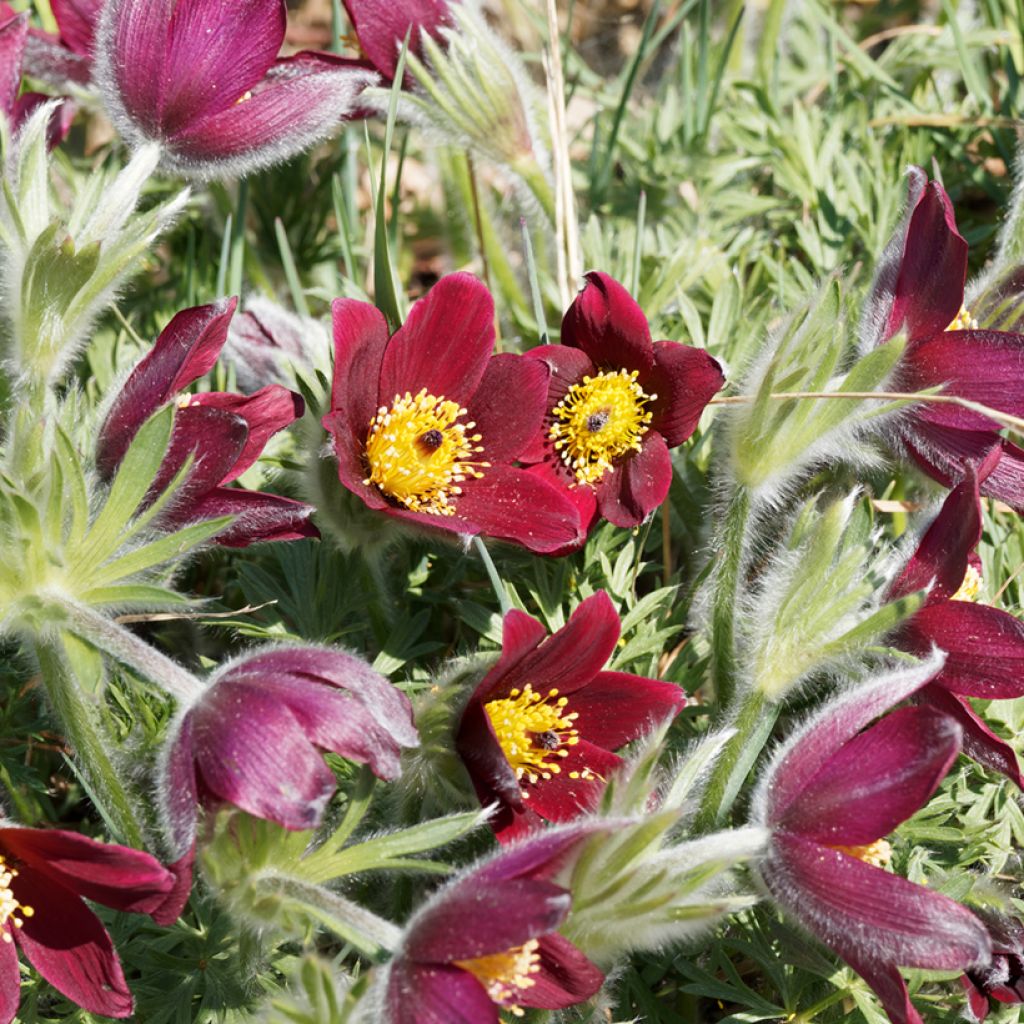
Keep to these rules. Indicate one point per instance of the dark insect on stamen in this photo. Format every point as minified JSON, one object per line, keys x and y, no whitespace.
{"x":597,"y":421}
{"x":549,"y":740}
{"x":431,"y":440}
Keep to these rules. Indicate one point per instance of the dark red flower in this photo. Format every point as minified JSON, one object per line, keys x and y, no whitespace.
{"x":920,"y":289}
{"x":1002,"y":978}
{"x":381,"y":28}
{"x":616,"y":404}
{"x":984,"y":646}
{"x":255,"y":738}
{"x":487,"y":942}
{"x":828,"y":801}
{"x":538,"y":732}
{"x":44,"y":876}
{"x":67,"y":56}
{"x":224,"y":432}
{"x":427,"y":423}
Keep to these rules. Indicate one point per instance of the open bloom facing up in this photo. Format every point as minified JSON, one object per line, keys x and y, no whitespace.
{"x":426,"y":423}
{"x":381,"y":28}
{"x":256,"y":736}
{"x":538,"y":732}
{"x":920,"y":289}
{"x":984,"y":646}
{"x":829,"y":800}
{"x":224,"y":432}
{"x":616,"y":404}
{"x":486,"y":942}
{"x":44,"y":876}
{"x":201,"y":78}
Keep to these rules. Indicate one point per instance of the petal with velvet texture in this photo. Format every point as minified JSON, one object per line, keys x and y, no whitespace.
{"x":360,"y":338}
{"x":13,"y":33}
{"x":10,"y":977}
{"x":605,"y":321}
{"x":685,"y":379}
{"x":637,"y":484}
{"x":563,"y":797}
{"x":509,"y":406}
{"x":489,"y":769}
{"x":77,"y":20}
{"x":568,"y":366}
{"x":566,"y":976}
{"x":436,"y":994}
{"x":131,"y":45}
{"x":886,"y":982}
{"x":260,"y":518}
{"x":382,"y":28}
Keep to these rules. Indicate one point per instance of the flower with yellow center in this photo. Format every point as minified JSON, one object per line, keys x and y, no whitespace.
{"x":971,"y":586}
{"x":9,"y":905}
{"x":419,"y":453}
{"x":877,"y":854}
{"x":506,"y":975}
{"x":963,"y":321}
{"x":599,"y":420}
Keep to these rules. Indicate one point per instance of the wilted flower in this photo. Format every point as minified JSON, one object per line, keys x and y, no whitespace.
{"x":616,"y":404}
{"x":224,"y":432}
{"x":426,"y":423}
{"x":44,"y":876}
{"x":1002,"y":978}
{"x":538,"y":732}
{"x":487,"y":942}
{"x":255,"y":736}
{"x":984,"y":646}
{"x":381,"y":28}
{"x":919,"y":289}
{"x":202,"y":80}
{"x":828,"y":801}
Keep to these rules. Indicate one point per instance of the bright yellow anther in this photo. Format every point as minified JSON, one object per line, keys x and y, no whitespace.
{"x":963,"y":321}
{"x":598,"y":420}
{"x":877,"y":854}
{"x":419,"y":453}
{"x":506,"y":975}
{"x":971,"y":586}
{"x":10,"y":908}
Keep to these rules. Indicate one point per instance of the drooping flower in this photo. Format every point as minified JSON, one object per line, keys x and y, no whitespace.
{"x":224,"y":432}
{"x":44,"y":876}
{"x":426,"y":423}
{"x":538,"y":732}
{"x":382,"y":28}
{"x":487,"y":942}
{"x":616,"y":404}
{"x":829,"y":800}
{"x":984,"y":646}
{"x":202,"y":79}
{"x":1002,"y":978}
{"x":919,"y":289}
{"x":256,"y":735}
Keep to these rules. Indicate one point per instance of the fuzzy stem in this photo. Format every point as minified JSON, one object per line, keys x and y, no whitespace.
{"x":499,"y":587}
{"x":723,"y":609}
{"x":537,"y":182}
{"x":80,"y":724}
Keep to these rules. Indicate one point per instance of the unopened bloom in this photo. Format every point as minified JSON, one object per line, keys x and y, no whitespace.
{"x":381,"y":28}
{"x":919,"y":289}
{"x":426,"y":423}
{"x":225,"y":433}
{"x":44,"y":876}
{"x":984,"y":646}
{"x":487,"y":942}
{"x":202,"y":79}
{"x":255,"y":737}
{"x":538,"y":732}
{"x":616,"y":404}
{"x":829,"y":800}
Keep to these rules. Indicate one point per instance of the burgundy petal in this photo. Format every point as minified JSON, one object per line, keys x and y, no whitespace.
{"x":853,"y":906}
{"x":563,"y":797}
{"x":638,"y":483}
{"x":876,"y":780}
{"x":47,"y":59}
{"x":509,"y":405}
{"x":350,"y":461}
{"x":132,"y":46}
{"x":520,"y":634}
{"x":685,"y":379}
{"x":489,"y":769}
{"x":77,"y":20}
{"x":542,"y":856}
{"x":178,"y":791}
{"x":10,"y":976}
{"x":382,"y":28}
{"x":615,"y":707}
{"x":261,"y":517}
{"x":605,"y":321}
{"x":13,"y":33}
{"x":566,"y":976}
{"x":215,"y":440}
{"x":886,"y":982}
{"x":568,"y":366}
{"x":69,"y":947}
{"x":444,"y":345}
{"x":174,"y":902}
{"x":436,"y":994}
{"x":360,"y":338}
{"x":186,"y":349}
{"x":582,"y":496}
{"x":977,"y":1001}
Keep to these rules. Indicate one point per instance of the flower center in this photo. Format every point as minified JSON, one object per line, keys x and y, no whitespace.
{"x":971,"y":586}
{"x":598,"y":420}
{"x":963,"y":321}
{"x":877,"y":854}
{"x":9,"y":905}
{"x":418,"y":453}
{"x":535,"y":732}
{"x":506,"y":975}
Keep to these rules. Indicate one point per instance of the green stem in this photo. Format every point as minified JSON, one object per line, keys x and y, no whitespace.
{"x":723,"y":611}
{"x":80,"y":723}
{"x":537,"y":182}
{"x":499,"y":587}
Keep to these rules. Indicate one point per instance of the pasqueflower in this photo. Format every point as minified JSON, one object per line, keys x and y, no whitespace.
{"x":381,"y":28}
{"x":427,"y":423}
{"x":919,"y":289}
{"x":828,"y":801}
{"x":224,"y":432}
{"x":1002,"y":978}
{"x":616,"y":404}
{"x":538,"y":732}
{"x":487,"y":942}
{"x":67,"y":56}
{"x":984,"y":646}
{"x":201,"y":78}
{"x":44,"y":876}
{"x":255,"y":737}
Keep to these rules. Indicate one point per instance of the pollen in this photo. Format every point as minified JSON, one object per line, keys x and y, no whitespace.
{"x":971,"y":586}
{"x":506,"y":975}
{"x":535,"y":732}
{"x":10,"y":909}
{"x":877,"y":854}
{"x":963,"y":321}
{"x":599,"y":420}
{"x":421,"y":450}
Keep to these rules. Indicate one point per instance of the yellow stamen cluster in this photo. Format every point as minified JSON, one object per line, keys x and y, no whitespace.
{"x":9,"y":905}
{"x":877,"y":854}
{"x":506,"y":975}
{"x":534,"y":732}
{"x":963,"y":321}
{"x":971,"y":586}
{"x":418,"y":453}
{"x":599,"y":420}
